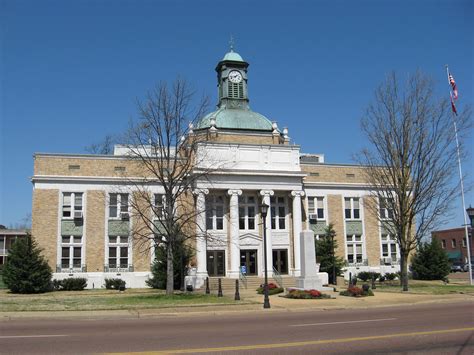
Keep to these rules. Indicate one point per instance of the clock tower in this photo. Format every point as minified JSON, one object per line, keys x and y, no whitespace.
{"x":232,"y":82}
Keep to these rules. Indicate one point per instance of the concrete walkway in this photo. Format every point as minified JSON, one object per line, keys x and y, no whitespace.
{"x":253,"y":303}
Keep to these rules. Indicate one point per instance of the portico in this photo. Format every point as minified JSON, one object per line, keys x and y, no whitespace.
{"x":236,"y":244}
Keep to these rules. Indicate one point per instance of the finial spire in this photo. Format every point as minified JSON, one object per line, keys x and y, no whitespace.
{"x":231,"y":43}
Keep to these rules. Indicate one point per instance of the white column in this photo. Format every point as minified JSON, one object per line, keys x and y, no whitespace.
{"x":201,"y":243}
{"x":234,"y":271}
{"x":297,"y":228}
{"x":266,"y":199}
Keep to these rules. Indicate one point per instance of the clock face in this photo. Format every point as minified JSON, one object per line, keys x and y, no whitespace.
{"x":235,"y":76}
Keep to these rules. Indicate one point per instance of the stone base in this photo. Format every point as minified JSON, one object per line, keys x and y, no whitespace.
{"x":195,"y":281}
{"x":313,"y":283}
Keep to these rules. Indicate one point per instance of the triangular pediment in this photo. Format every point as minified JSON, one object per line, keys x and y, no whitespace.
{"x":250,"y":239}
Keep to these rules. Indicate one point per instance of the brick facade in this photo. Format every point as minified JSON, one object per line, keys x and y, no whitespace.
{"x":45,"y":221}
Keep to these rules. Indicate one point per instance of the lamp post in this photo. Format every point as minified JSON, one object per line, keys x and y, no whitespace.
{"x":264,"y":211}
{"x":470,"y":214}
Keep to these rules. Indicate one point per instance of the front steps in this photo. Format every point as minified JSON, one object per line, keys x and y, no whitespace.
{"x":250,"y":287}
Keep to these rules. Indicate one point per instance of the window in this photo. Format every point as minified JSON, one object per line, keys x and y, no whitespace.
{"x":316,"y":206}
{"x":72,"y":202}
{"x":236,"y":90}
{"x":117,"y":203}
{"x":389,"y":249}
{"x":443,"y":244}
{"x":354,"y":249}
{"x":453,"y":243}
{"x":464,"y":242}
{"x":215,"y":212}
{"x":352,"y":208}
{"x":278,"y":211}
{"x":247,"y":211}
{"x":71,"y":252}
{"x":385,"y":210}
{"x":118,"y":253}
{"x":158,"y":204}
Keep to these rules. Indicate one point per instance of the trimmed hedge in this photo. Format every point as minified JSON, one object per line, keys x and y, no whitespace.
{"x":70,"y":284}
{"x":114,"y":284}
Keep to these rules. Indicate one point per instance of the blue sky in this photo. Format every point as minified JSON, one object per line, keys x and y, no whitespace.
{"x":70,"y":71}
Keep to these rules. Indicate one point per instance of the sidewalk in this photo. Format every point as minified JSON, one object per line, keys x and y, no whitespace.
{"x":253,"y":303}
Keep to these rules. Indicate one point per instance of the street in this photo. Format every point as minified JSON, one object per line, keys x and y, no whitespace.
{"x":445,"y":328}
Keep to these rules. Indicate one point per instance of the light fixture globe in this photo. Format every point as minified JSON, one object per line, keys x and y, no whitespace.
{"x":470,"y":213}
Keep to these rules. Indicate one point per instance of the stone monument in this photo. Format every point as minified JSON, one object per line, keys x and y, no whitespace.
{"x":310,"y":278}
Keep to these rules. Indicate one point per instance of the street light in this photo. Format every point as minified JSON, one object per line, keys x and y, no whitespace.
{"x":264,"y":211}
{"x":470,"y":214}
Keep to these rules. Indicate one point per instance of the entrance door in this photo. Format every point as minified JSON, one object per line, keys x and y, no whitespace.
{"x":248,"y":262}
{"x":280,"y":260}
{"x":216,"y":262}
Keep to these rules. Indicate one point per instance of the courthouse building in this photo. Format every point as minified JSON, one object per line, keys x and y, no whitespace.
{"x":81,"y":210}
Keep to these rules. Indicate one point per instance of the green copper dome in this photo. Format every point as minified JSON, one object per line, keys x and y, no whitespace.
{"x":233,"y":111}
{"x":236,"y":119}
{"x":234,"y":56}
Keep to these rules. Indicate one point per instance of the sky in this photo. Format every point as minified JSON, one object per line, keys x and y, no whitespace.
{"x":71,"y":71}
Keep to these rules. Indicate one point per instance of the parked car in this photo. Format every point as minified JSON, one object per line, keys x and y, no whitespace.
{"x":455,"y":267}
{"x":466,"y":267}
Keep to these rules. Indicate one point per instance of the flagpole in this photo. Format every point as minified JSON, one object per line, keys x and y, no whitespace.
{"x":466,"y":233}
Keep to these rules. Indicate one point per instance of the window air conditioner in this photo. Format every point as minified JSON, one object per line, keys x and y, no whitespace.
{"x":313,"y":216}
{"x":387,"y":260}
{"x":124,"y":215}
{"x":77,"y":214}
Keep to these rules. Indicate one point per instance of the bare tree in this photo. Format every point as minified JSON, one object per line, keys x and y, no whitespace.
{"x":106,"y":146}
{"x":162,"y":150}
{"x":411,"y":164}
{"x":24,"y":223}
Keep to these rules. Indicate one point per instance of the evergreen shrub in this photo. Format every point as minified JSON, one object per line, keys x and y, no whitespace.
{"x":26,"y":270}
{"x":430,"y":262}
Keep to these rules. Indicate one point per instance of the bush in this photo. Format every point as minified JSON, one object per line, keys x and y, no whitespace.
{"x":355,"y":291}
{"x":114,"y":284}
{"x":390,"y":276}
{"x":305,"y":294}
{"x":367,"y":275}
{"x":70,"y":284}
{"x":57,"y":285}
{"x":26,"y":270}
{"x":273,"y":289}
{"x":430,"y":262}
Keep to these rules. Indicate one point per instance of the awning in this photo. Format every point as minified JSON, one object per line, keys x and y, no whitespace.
{"x":456,"y":254}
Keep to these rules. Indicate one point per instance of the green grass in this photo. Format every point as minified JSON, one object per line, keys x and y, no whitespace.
{"x":89,"y":300}
{"x":428,"y":287}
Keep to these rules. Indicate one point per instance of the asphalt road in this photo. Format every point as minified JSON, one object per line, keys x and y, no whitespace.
{"x":429,"y":329}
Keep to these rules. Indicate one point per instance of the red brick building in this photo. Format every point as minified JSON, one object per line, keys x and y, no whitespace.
{"x":454,"y":242}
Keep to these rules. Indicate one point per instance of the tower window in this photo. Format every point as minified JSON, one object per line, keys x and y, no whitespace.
{"x":236,"y":90}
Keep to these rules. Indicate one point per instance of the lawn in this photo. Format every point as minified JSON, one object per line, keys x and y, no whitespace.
{"x":427,"y":287}
{"x":88,"y":300}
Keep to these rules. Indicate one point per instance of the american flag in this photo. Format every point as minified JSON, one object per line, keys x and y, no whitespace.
{"x":453,"y":106}
{"x":454,"y":88}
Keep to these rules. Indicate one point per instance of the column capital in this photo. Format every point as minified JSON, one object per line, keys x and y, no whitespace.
{"x":200,"y":191}
{"x":300,"y":193}
{"x":232,"y":192}
{"x":267,"y":192}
